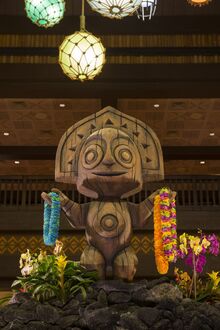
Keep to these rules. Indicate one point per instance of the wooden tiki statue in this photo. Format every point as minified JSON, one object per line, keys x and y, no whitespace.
{"x":108,"y":156}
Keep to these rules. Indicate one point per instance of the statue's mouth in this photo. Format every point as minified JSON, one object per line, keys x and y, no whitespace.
{"x":108,"y":173}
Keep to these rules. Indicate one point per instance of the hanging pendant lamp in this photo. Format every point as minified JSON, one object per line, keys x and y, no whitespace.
{"x":147,"y":9}
{"x":45,"y":13}
{"x":199,"y":3}
{"x":115,"y":8}
{"x":82,"y":55}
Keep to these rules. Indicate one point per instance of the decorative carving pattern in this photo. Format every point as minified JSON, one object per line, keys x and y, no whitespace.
{"x":15,"y":244}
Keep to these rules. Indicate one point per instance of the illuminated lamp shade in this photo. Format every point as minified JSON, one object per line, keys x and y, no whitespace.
{"x":81,"y":56}
{"x":45,"y":13}
{"x":115,"y":8}
{"x":147,"y":9}
{"x":199,"y":3}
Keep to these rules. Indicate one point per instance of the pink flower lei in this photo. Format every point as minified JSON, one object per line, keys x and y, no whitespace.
{"x":168,"y":224}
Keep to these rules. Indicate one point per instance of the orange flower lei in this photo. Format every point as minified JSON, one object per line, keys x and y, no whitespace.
{"x":161,"y":261}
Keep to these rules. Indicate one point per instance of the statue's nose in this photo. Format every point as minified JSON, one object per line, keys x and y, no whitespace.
{"x":108,"y":160}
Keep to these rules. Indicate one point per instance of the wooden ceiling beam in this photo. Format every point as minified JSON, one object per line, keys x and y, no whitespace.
{"x":116,"y":81}
{"x":169,"y":152}
{"x":117,"y":51}
{"x":131,"y":25}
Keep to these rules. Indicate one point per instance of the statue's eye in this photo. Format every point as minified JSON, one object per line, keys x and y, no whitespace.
{"x":92,"y":156}
{"x":124,"y":156}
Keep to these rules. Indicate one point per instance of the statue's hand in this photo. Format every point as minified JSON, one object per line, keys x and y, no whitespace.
{"x":152,"y":196}
{"x":155,"y":193}
{"x":63,"y":198}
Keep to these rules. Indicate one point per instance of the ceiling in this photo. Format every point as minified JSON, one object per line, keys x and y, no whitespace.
{"x":173,"y":61}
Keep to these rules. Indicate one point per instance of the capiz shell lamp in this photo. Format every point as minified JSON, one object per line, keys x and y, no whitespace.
{"x":147,"y":9}
{"x":199,"y":3}
{"x":45,"y":13}
{"x":81,"y":55}
{"x":115,"y":8}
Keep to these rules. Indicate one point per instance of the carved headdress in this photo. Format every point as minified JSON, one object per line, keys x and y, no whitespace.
{"x":142,"y":135}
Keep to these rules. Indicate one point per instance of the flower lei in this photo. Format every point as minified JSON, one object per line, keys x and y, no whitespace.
{"x":51,"y":219}
{"x":165,"y":236}
{"x":161,"y":261}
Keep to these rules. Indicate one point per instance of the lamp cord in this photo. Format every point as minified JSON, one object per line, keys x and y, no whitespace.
{"x":82,"y":17}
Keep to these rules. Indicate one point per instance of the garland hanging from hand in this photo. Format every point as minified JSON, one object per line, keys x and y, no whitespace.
{"x":165,"y":236}
{"x":51,"y":219}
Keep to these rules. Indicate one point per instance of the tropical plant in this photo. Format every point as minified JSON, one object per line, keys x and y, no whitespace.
{"x":194,"y":251}
{"x":208,"y":288}
{"x":53,"y":276}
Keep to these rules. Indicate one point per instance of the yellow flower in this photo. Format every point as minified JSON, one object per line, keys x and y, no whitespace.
{"x":183,"y":249}
{"x":215,"y":279}
{"x":185,"y":277}
{"x":205,"y":243}
{"x":42,"y":255}
{"x":183,"y":239}
{"x":61,"y":262}
{"x":194,"y":244}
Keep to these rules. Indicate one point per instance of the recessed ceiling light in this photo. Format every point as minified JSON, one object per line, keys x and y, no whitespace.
{"x":17,"y":162}
{"x":6,"y":134}
{"x":156,"y":105}
{"x":202,"y":162}
{"x":212,"y":134}
{"x":62,"y":105}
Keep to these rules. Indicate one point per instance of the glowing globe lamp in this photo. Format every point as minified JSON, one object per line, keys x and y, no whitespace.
{"x":198,"y":3}
{"x":115,"y":8}
{"x":81,"y":56}
{"x":45,"y":13}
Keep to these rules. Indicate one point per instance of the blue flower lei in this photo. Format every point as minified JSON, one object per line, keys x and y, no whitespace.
{"x":51,"y":219}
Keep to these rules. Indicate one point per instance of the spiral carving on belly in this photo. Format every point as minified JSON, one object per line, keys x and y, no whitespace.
{"x":109,"y":225}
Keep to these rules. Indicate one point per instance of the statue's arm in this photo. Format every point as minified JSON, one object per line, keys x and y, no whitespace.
{"x":73,"y":211}
{"x":142,"y":211}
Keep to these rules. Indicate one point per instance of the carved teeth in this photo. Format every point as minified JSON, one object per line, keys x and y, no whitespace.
{"x":124,"y":125}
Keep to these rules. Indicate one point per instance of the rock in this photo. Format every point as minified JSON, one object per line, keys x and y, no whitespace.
{"x":37,"y":325}
{"x":47,"y":313}
{"x":67,"y":321}
{"x":29,"y":305}
{"x":102,"y":298}
{"x":168,"y":305}
{"x":112,"y":285}
{"x":180,"y":311}
{"x":119,"y":297}
{"x":178,"y":325}
{"x":101,"y":319}
{"x":165,"y":291}
{"x":158,"y":281}
{"x":130,"y":321}
{"x":168,"y":315}
{"x":72,"y":305}
{"x":216,"y":322}
{"x":163,"y":324}
{"x":2,"y":322}
{"x":148,"y":315}
{"x":20,"y":297}
{"x":15,"y":325}
{"x":142,"y":298}
{"x":19,"y":314}
{"x":197,"y":323}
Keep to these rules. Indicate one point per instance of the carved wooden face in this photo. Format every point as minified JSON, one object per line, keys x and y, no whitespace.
{"x":109,"y":165}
